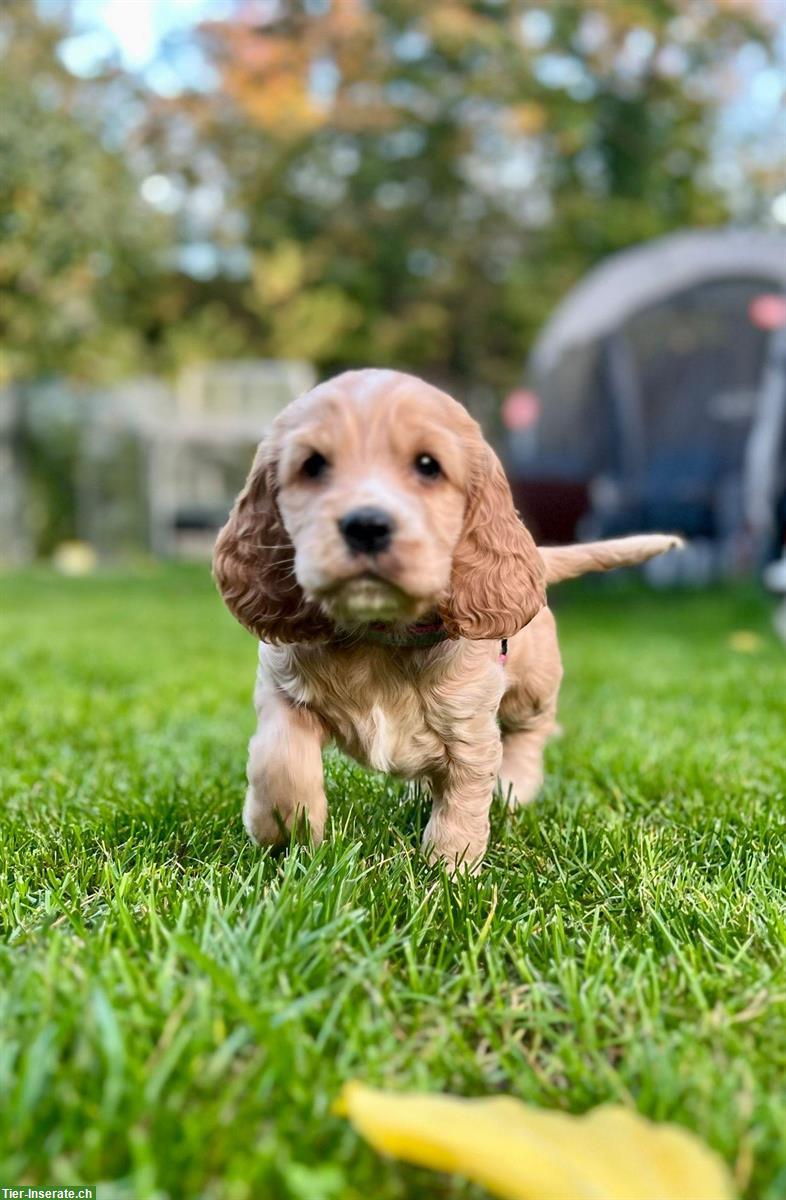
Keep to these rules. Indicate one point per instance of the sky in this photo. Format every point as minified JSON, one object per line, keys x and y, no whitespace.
{"x":146,"y":36}
{"x":139,"y":26}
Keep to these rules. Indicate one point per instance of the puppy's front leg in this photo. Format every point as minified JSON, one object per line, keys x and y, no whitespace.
{"x":285,"y":779}
{"x":458,"y":829}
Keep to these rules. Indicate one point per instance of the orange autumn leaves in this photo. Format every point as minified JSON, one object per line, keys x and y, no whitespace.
{"x":269,"y":71}
{"x":269,"y":68}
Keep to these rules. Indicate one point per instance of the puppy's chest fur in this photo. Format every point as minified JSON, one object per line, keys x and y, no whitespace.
{"x":393,"y":710}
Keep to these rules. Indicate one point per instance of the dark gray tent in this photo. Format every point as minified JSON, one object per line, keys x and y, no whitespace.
{"x":662,"y":403}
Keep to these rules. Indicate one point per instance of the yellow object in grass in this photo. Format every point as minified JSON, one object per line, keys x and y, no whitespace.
{"x":74,"y":558}
{"x":745,"y":641}
{"x":524,"y":1153}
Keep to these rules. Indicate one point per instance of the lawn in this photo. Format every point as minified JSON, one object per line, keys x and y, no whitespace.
{"x":178,"y":1010}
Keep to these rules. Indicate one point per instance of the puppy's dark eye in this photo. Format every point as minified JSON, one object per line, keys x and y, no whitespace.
{"x":427,"y":466}
{"x":315,"y":465}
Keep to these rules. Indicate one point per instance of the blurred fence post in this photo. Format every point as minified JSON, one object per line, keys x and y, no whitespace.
{"x":15,"y":540}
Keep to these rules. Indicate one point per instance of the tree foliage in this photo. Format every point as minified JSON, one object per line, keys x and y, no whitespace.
{"x":80,"y":255}
{"x":421,"y":183}
{"x":402,"y":183}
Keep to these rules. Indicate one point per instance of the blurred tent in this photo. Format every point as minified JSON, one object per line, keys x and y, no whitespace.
{"x":660,"y":392}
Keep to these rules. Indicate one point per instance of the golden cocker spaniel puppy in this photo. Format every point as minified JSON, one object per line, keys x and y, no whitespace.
{"x":376,"y":553}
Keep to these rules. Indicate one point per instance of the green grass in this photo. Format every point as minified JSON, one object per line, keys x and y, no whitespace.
{"x":179,"y":1010}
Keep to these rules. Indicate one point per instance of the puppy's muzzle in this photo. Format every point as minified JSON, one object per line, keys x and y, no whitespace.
{"x":367,"y":530}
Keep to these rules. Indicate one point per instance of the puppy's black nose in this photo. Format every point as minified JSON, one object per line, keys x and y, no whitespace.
{"x":366,"y":530}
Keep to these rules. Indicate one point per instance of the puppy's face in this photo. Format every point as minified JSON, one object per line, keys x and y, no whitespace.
{"x":375,"y":498}
{"x":372,"y":477}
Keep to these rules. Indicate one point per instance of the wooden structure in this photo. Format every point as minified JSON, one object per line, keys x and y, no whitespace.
{"x":161,"y":466}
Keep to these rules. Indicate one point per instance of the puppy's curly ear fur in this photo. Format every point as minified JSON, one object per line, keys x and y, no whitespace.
{"x":497,"y":583}
{"x":253,"y":564}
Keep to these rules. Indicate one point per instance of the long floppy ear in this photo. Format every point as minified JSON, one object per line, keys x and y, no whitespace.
{"x":253,"y":564}
{"x":497,"y":583}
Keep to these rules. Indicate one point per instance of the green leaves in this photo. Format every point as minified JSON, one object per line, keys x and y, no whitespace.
{"x":413,"y":186}
{"x":78,"y":248}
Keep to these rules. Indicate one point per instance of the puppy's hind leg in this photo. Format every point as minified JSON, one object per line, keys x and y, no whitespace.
{"x":528,"y":712}
{"x":521,"y":774}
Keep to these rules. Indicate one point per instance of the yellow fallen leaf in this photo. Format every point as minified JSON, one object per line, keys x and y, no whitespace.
{"x":745,"y":641}
{"x":525,"y":1153}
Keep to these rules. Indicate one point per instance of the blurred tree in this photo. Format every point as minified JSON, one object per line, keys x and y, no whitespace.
{"x":418,"y":184}
{"x":373,"y":181}
{"x":81,"y":261}
{"x":80,"y":254}
{"x":369,"y":181}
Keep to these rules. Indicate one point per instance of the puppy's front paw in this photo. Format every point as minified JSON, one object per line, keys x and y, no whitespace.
{"x":453,"y":844}
{"x":521,"y":774}
{"x":269,"y":826}
{"x":518,"y":790}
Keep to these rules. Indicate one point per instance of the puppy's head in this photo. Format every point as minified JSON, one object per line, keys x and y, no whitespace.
{"x":375,"y":498}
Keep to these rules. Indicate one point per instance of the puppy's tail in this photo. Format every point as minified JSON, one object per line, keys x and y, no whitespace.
{"x":568,"y":562}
